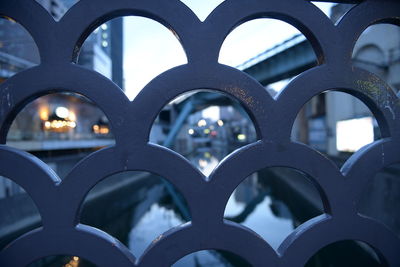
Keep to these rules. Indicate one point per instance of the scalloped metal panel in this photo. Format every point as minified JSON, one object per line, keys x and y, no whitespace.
{"x":131,"y":121}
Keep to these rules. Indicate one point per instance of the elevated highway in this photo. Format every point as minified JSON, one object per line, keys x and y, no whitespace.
{"x":280,"y":62}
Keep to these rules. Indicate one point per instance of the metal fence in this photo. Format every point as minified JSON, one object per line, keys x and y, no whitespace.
{"x":59,"y":202}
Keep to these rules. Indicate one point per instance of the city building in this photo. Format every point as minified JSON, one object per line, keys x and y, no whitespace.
{"x":337,"y":123}
{"x":18,"y":51}
{"x":102,"y":51}
{"x":64,"y":123}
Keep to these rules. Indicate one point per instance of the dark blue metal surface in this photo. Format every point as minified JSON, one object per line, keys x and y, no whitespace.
{"x":59,"y":202}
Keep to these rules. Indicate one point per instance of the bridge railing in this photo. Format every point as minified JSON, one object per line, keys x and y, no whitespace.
{"x":296,"y":39}
{"x":59,"y":201}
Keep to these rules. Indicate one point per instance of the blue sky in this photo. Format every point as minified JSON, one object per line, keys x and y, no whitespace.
{"x":150,"y":48}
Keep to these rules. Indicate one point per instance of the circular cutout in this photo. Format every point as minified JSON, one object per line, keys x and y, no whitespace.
{"x":204,"y":126}
{"x":380,"y":197}
{"x":18,"y":212}
{"x":377,"y":50}
{"x":273,"y":202}
{"x":18,"y":51}
{"x":128,"y":51}
{"x":60,"y":129}
{"x":346,"y":253}
{"x":267,"y":46}
{"x":335,"y":132}
{"x":136,"y":207}
{"x":217,"y":258}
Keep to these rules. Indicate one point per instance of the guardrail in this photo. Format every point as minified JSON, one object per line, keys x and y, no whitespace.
{"x":59,"y":202}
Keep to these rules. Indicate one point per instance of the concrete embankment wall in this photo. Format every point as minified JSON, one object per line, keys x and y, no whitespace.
{"x":104,"y":207}
{"x":379,"y":200}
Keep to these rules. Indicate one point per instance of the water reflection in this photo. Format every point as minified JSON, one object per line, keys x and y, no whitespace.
{"x":155,"y":221}
{"x":267,"y":202}
{"x":206,"y":164}
{"x":158,"y":220}
{"x":251,"y":204}
{"x":204,"y":258}
{"x":262,"y":219}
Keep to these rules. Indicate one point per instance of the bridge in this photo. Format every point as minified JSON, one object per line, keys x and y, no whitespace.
{"x":280,"y":62}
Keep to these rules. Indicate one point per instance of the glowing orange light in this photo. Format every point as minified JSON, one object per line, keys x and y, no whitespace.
{"x":59,"y":125}
{"x":72,"y":116}
{"x":44,"y":113}
{"x":100,"y":129}
{"x":47,"y":124}
{"x":104,"y":130}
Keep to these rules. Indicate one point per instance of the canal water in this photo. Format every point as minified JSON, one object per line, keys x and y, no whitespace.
{"x":160,"y":218}
{"x":261,"y":202}
{"x":258,"y":205}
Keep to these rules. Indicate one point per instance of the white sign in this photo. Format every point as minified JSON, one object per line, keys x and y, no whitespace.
{"x":353,"y":134}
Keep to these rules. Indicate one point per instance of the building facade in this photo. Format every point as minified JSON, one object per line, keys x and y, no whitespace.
{"x":326,"y":122}
{"x":63,"y":121}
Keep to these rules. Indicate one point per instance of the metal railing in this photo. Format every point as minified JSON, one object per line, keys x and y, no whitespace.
{"x":59,"y":202}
